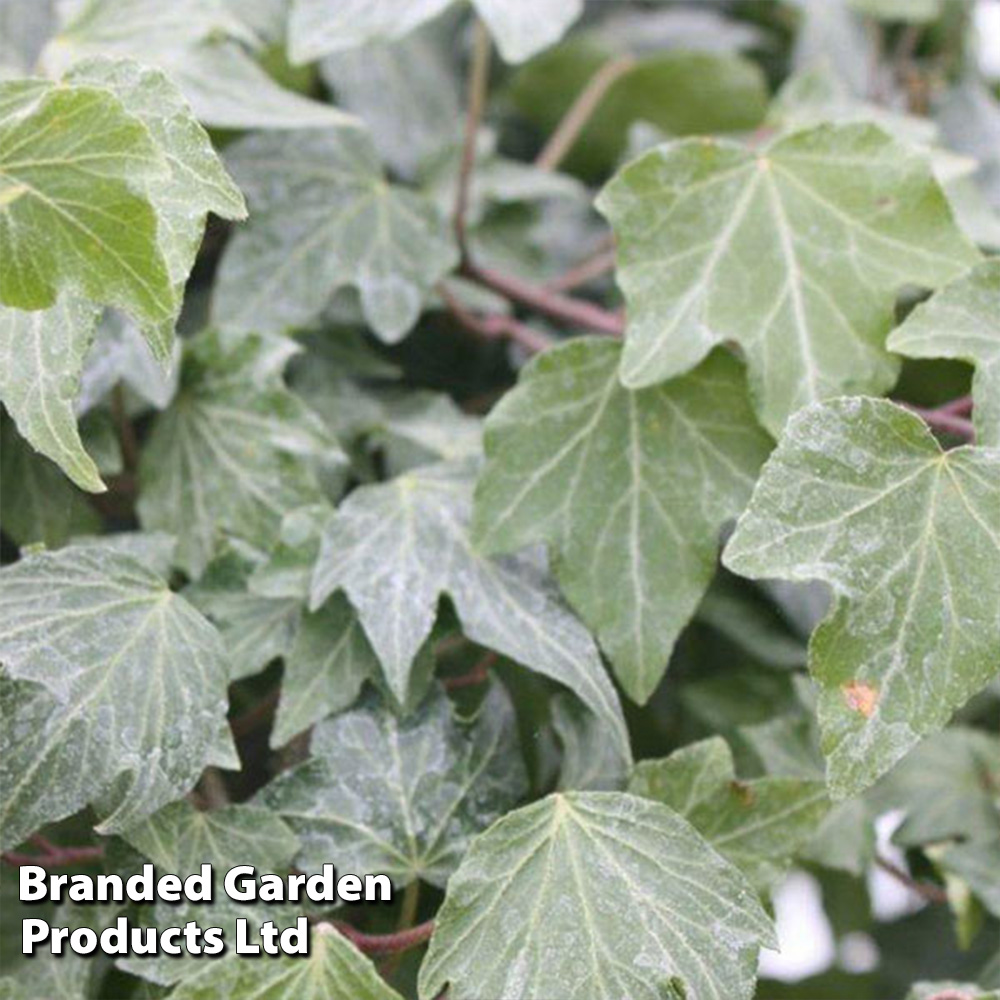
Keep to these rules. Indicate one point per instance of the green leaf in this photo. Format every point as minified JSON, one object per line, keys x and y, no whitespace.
{"x":121,"y":356}
{"x":795,"y":252}
{"x":915,"y":11}
{"x":396,"y":547}
{"x":41,"y":357}
{"x":405,"y":92}
{"x":979,"y":865}
{"x":324,"y":216}
{"x":234,"y":452}
{"x":195,"y":184}
{"x":595,"y":895}
{"x":859,"y":494}
{"x":604,"y":476}
{"x":946,"y":788}
{"x":325,"y":668}
{"x":120,"y":692}
{"x":333,"y":970}
{"x":589,"y":762}
{"x":679,"y":92}
{"x":255,"y":629}
{"x":520,"y":27}
{"x":202,"y":46}
{"x":75,"y":166}
{"x":39,"y":505}
{"x":179,"y":838}
{"x":758,"y":825}
{"x":403,"y":797}
{"x":962,"y":321}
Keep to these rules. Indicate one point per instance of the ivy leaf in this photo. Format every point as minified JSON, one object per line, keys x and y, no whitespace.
{"x":758,"y":825}
{"x":202,"y":46}
{"x":395,"y":547}
{"x":121,"y":356}
{"x":979,"y":865}
{"x":860,"y":495}
{"x":962,"y":320}
{"x":127,"y":691}
{"x":520,"y":27}
{"x":72,"y":162}
{"x":536,"y":908}
{"x":945,"y":787}
{"x":234,"y":452}
{"x":795,"y":252}
{"x":403,"y":797}
{"x":589,"y":762}
{"x":325,"y":668}
{"x":255,"y":629}
{"x":179,"y":838}
{"x":41,"y":357}
{"x":39,"y":504}
{"x":324,"y":216}
{"x":195,"y":184}
{"x":604,"y":475}
{"x":333,"y":970}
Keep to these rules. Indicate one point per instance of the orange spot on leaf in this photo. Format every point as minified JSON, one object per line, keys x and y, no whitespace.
{"x":860,"y":697}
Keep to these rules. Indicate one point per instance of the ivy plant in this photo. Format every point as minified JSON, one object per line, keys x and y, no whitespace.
{"x":544,"y":452}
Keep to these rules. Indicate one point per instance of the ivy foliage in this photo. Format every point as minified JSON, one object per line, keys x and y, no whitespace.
{"x":545,"y":452}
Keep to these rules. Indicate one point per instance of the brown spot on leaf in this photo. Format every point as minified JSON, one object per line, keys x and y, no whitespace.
{"x":860,"y":697}
{"x":743,"y":792}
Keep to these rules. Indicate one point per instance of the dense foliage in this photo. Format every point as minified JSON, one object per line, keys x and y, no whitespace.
{"x":546,"y":452}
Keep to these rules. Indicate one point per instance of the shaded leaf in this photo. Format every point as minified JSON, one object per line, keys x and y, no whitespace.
{"x":403,"y":797}
{"x":180,"y":838}
{"x":859,"y":494}
{"x":520,"y":27}
{"x":962,"y":321}
{"x":589,"y":761}
{"x":324,"y":216}
{"x":396,"y":547}
{"x":758,"y":825}
{"x":120,"y":690}
{"x":325,"y":668}
{"x":202,"y":46}
{"x":795,"y":252}
{"x":333,"y":970}
{"x":604,"y":476}
{"x":39,"y":504}
{"x":595,"y":895}
{"x":234,"y":451}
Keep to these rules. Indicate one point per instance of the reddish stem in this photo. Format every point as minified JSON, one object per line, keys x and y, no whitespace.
{"x":386,"y":944}
{"x":53,"y":855}
{"x":943,"y":419}
{"x":496,"y":325}
{"x":561,"y":307}
{"x":585,"y":272}
{"x":479,"y":673}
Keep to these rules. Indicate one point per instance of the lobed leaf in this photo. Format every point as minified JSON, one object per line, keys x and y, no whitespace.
{"x":859,"y":494}
{"x":606,"y":477}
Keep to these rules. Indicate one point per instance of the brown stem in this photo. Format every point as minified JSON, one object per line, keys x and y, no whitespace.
{"x":53,"y":855}
{"x":126,"y":432}
{"x":580,"y":112}
{"x":585,"y":272}
{"x":478,"y":80}
{"x":932,"y":893}
{"x":576,"y":312}
{"x":496,"y":325}
{"x":213,"y":788}
{"x":386,"y":944}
